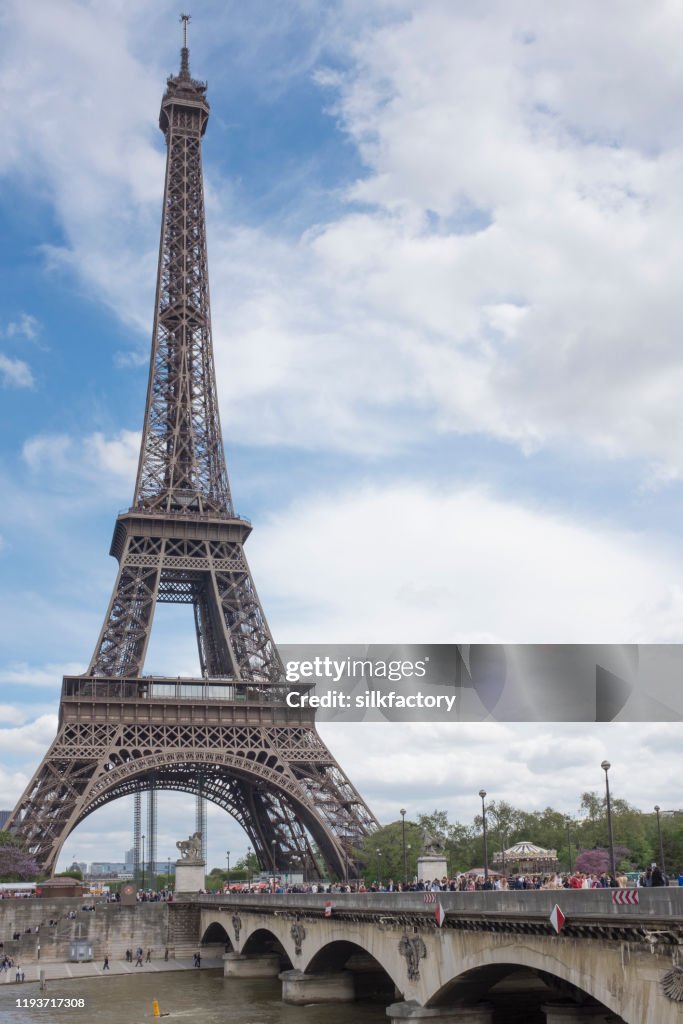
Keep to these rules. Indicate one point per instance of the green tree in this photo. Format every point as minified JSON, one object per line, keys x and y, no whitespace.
{"x":381,"y":853}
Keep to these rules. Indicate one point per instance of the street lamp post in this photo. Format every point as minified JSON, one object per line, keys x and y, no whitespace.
{"x":273,"y":844}
{"x":569,"y":842}
{"x":482,"y":794}
{"x":661,"y":844}
{"x":613,"y":868}
{"x":403,"y":842}
{"x":227,"y":854}
{"x":409,"y":847}
{"x":249,"y":866}
{"x":379,"y":868}
{"x":143,"y":863}
{"x":168,"y":875}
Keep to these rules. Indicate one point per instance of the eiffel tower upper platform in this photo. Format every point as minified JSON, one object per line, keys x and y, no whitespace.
{"x":229,"y":734}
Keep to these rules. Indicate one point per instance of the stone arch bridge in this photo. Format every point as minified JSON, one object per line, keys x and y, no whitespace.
{"x":611,"y":962}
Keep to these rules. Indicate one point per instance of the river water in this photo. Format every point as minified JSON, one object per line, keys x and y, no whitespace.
{"x":205,"y":996}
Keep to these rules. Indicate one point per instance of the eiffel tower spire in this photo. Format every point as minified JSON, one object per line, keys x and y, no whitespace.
{"x":228,"y":736}
{"x":182,"y":465}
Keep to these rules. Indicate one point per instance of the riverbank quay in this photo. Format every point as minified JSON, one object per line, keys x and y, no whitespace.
{"x":44,"y":930}
{"x":71,"y":971}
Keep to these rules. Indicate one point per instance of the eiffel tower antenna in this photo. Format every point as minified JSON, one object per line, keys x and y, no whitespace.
{"x":185,"y":53}
{"x":229,"y":735}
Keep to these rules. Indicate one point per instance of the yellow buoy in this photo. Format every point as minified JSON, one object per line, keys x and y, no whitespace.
{"x":155,"y":1007}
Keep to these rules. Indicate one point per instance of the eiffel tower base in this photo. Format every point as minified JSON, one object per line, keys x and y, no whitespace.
{"x":262,"y":762}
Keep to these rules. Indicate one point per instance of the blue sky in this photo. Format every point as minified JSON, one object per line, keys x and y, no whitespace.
{"x":445,"y":250}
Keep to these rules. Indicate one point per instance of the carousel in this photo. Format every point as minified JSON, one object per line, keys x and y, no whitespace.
{"x":526,"y":858}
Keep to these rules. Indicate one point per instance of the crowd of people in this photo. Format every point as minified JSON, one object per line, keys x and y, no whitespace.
{"x":652,"y":876}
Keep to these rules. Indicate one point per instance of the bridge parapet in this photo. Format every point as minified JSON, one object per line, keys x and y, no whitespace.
{"x":665,"y":903}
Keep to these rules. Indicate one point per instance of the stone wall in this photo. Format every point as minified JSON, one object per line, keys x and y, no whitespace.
{"x":110,"y":927}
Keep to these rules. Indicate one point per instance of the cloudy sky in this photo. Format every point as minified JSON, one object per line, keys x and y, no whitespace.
{"x":446,"y":248}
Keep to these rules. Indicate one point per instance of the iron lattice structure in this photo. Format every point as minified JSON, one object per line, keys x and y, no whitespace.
{"x":228,"y":736}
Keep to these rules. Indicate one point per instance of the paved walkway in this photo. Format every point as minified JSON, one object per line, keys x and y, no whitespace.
{"x":54,"y":971}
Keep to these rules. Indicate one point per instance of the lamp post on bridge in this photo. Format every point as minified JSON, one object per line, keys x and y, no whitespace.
{"x":227,"y":854}
{"x":143,"y":863}
{"x":273,"y":844}
{"x":482,"y":794}
{"x":661,"y":844}
{"x":568,"y":821}
{"x":403,"y":842}
{"x":168,"y":875}
{"x":613,"y":868}
{"x":249,"y":866}
{"x":379,"y":868}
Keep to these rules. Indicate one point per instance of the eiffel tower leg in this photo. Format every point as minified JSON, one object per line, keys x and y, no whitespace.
{"x":123,"y":641}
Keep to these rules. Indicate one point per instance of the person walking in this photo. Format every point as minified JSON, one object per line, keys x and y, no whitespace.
{"x":105,"y":965}
{"x":148,"y":958}
{"x":138,"y":962}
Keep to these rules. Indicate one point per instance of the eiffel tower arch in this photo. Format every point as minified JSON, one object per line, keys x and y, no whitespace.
{"x":228,"y":734}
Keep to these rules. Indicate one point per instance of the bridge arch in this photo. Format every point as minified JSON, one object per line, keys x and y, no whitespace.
{"x":483,"y":969}
{"x":214,"y":933}
{"x":340,"y":954}
{"x":263,"y":941}
{"x":371,"y":978}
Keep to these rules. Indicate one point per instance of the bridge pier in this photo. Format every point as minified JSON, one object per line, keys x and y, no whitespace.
{"x":329,"y":987}
{"x":479,"y":1013}
{"x":256,"y":965}
{"x":571,"y":1013}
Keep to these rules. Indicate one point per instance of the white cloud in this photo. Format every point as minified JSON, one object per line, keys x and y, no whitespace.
{"x":91,"y":456}
{"x":15,"y":373}
{"x":118,"y":455}
{"x":46,"y":451}
{"x":23,"y":674}
{"x":12,"y":715}
{"x":507,"y":761}
{"x":512,"y":269}
{"x":30,"y":739}
{"x":419,"y":564}
{"x":25,"y":326}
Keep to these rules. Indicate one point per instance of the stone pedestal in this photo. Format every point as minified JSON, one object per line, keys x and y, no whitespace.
{"x":239,"y":965}
{"x":300,"y":988}
{"x":429,"y":868}
{"x":480,"y":1013}
{"x":570,"y":1013}
{"x":190,"y":876}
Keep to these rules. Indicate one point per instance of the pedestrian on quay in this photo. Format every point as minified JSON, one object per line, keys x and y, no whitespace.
{"x":105,"y":965}
{"x":138,"y":962}
{"x":148,"y":958}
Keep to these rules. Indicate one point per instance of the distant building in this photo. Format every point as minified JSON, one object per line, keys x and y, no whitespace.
{"x":106,"y":867}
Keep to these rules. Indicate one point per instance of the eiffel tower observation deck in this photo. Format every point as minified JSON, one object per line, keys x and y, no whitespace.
{"x":227,"y":735}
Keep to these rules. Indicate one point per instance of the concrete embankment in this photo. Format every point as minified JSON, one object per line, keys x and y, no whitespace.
{"x":46,"y":929}
{"x":54,"y":972}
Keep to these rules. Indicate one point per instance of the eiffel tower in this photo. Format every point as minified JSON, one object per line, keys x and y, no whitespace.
{"x":228,"y":735}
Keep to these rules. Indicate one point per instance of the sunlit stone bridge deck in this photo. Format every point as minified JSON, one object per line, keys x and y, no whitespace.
{"x":610,"y":962}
